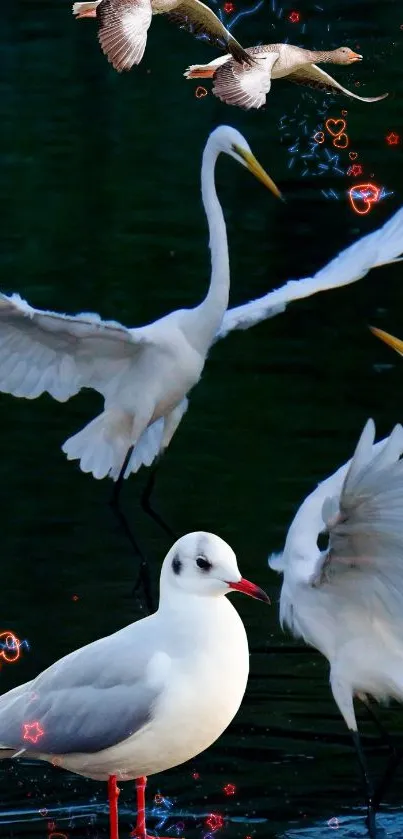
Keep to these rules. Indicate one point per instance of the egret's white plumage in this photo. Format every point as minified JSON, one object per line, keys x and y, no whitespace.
{"x":148,"y":371}
{"x":153,"y":694}
{"x":347,"y":601}
{"x":143,"y":374}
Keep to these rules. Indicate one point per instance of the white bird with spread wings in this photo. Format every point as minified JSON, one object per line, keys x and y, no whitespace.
{"x":124,"y":24}
{"x":145,"y":373}
{"x":347,"y":600}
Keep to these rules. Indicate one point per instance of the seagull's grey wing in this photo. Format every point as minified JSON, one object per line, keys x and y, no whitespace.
{"x":246,"y":87}
{"x":123,"y":27}
{"x":44,"y":351}
{"x":312,"y":76}
{"x":89,"y":700}
{"x":365,"y":522}
{"x":199,"y":19}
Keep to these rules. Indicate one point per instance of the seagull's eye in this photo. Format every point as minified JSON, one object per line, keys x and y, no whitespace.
{"x":203,"y":563}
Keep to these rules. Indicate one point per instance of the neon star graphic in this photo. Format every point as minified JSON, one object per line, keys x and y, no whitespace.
{"x":32,"y":731}
{"x":228,"y":8}
{"x":392,"y":139}
{"x":294,"y":17}
{"x":355,"y":170}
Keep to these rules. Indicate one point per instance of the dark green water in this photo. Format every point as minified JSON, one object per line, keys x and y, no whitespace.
{"x":101,"y":211}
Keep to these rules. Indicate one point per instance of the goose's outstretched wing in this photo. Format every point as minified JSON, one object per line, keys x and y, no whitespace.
{"x":122,"y":33}
{"x":199,"y":19}
{"x":44,"y":351}
{"x":312,"y":76}
{"x":246,"y":87}
{"x":381,"y":247}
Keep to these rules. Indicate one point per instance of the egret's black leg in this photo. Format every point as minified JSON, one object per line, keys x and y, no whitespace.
{"x":395,"y":758}
{"x":369,"y":793}
{"x":387,"y":778}
{"x":385,"y":736}
{"x":146,"y":502}
{"x":144,"y":572}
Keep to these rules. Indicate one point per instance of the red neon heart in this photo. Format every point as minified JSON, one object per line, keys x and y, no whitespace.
{"x":362,"y":197}
{"x":353,"y":155}
{"x":341,"y":142}
{"x":319,"y":137}
{"x":200,"y":92}
{"x":335,"y":127}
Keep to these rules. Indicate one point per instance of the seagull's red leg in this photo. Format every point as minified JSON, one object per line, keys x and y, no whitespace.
{"x":113,"y":795}
{"x":140,"y":831}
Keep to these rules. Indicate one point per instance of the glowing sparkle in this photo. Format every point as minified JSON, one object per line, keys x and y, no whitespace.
{"x":229,"y":789}
{"x":392,"y":139}
{"x":158,"y":798}
{"x":32,"y":731}
{"x":215,"y":822}
{"x":195,"y":776}
{"x":294,"y":17}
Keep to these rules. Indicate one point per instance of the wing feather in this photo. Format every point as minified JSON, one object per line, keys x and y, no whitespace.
{"x":199,"y":19}
{"x":45,"y":351}
{"x":378,"y":248}
{"x":87,"y":701}
{"x":246,"y":87}
{"x":312,"y":76}
{"x":122,"y":33}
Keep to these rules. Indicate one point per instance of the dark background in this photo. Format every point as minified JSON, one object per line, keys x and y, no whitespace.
{"x":101,"y":211}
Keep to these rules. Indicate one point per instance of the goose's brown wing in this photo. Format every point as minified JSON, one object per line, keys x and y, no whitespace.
{"x":123,"y":27}
{"x":312,"y":76}
{"x":199,"y":19}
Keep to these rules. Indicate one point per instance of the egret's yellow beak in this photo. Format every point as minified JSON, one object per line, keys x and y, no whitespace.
{"x":257,"y":170}
{"x":388,"y":339}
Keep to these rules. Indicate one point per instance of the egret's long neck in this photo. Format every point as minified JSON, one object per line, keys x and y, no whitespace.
{"x":209,"y":314}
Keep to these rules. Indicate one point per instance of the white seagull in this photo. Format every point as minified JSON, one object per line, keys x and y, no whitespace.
{"x":247,"y":85}
{"x":347,"y":600}
{"x":151,"y":696}
{"x":124,"y":24}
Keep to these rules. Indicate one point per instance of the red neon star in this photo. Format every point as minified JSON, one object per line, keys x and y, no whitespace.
{"x":32,"y":731}
{"x":228,"y":8}
{"x":215,"y":822}
{"x":229,"y":789}
{"x":355,"y":170}
{"x":392,"y":139}
{"x":294,"y":17}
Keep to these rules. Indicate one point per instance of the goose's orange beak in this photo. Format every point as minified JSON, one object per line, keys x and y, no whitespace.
{"x":355,"y":56}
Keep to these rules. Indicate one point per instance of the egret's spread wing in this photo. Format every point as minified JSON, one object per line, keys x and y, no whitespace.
{"x":199,"y":19}
{"x":365,"y":522}
{"x":44,"y":351}
{"x":245,"y":86}
{"x":123,"y":27}
{"x":378,"y":248}
{"x":89,"y":700}
{"x":312,"y":76}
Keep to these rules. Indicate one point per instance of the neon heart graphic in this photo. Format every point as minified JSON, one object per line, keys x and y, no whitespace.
{"x":319,"y":137}
{"x":362,"y":198}
{"x":335,"y":127}
{"x":341,"y":142}
{"x":200,"y":92}
{"x":353,"y":155}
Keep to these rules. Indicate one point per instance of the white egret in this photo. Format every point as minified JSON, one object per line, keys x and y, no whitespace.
{"x":124,"y":24}
{"x":145,"y":373}
{"x":151,"y":696}
{"x":247,"y":85}
{"x":42,"y":351}
{"x":347,"y":600}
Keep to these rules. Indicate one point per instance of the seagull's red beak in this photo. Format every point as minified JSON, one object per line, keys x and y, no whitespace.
{"x":249,"y":588}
